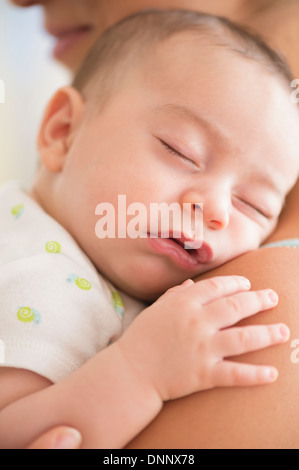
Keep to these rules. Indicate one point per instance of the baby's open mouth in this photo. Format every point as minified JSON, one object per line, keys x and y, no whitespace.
{"x":180,"y":251}
{"x":202,"y":254}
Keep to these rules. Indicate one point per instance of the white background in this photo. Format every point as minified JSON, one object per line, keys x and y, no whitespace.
{"x":30,"y":77}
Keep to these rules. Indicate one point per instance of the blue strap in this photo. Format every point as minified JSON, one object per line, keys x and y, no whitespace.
{"x":292,"y":242}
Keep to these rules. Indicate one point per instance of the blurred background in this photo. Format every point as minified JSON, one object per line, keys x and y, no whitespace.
{"x":30,"y":77}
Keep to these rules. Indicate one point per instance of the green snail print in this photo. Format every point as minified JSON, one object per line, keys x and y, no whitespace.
{"x":17,"y":211}
{"x":117,"y":303}
{"x":53,"y":247}
{"x":80,"y":282}
{"x":27,"y":315}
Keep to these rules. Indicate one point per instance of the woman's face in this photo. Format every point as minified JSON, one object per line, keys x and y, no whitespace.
{"x":76,"y":24}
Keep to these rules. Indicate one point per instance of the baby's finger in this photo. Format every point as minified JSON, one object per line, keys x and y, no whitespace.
{"x":174,"y":290}
{"x":61,"y":437}
{"x":216,"y":287}
{"x":229,"y":310}
{"x":234,"y":341}
{"x":230,"y":374}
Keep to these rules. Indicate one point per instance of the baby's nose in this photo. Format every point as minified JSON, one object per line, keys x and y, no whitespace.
{"x":216,"y":214}
{"x":218,"y":223}
{"x":215,"y":206}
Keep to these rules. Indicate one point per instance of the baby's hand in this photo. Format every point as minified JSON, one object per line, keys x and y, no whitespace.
{"x":178,"y":345}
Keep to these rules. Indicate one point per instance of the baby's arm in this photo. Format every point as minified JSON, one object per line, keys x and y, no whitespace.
{"x":102,"y":399}
{"x":175,"y":347}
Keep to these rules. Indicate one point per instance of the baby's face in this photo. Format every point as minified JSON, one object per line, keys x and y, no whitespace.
{"x":190,"y":126}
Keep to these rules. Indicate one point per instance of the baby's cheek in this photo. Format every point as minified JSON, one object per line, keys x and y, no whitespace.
{"x":249,"y":240}
{"x":270,"y":229}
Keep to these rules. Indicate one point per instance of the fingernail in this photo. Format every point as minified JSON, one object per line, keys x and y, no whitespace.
{"x":284,"y":331}
{"x":188,"y":281}
{"x":273,"y":297}
{"x":246,"y":281}
{"x":271,"y":374}
{"x":68,"y":439}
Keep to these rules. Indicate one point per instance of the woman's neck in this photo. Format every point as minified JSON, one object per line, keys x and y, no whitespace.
{"x":236,"y":10}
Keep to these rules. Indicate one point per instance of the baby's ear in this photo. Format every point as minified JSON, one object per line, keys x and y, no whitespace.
{"x":60,"y":122}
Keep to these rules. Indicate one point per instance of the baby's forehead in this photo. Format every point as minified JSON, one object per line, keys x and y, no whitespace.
{"x":180,"y":41}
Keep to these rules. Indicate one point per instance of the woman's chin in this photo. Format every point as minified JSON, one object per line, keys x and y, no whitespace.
{"x":72,"y":55}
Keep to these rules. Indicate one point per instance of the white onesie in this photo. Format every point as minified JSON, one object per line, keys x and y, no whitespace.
{"x":56,"y":311}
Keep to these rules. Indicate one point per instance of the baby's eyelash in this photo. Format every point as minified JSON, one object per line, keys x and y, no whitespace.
{"x":257,"y":209}
{"x":176,"y":152}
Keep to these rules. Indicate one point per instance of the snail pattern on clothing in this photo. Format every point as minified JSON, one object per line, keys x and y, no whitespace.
{"x":56,"y":311}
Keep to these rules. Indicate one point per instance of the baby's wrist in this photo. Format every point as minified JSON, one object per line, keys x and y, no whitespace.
{"x":143,"y":386}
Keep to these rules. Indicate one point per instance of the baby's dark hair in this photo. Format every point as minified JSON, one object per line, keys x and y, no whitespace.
{"x":129,"y":40}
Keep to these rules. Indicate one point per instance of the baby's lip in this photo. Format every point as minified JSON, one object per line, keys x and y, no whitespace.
{"x":200,"y":251}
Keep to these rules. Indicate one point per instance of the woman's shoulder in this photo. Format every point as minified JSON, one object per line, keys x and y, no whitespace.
{"x":252,"y":417}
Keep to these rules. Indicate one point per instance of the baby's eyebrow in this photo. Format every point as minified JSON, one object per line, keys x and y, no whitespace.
{"x":210,"y":128}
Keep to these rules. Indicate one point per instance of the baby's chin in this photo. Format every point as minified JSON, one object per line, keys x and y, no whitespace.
{"x":144,"y":294}
{"x":149,"y":293}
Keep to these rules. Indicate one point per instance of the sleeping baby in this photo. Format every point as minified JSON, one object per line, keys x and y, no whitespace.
{"x":168,"y":108}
